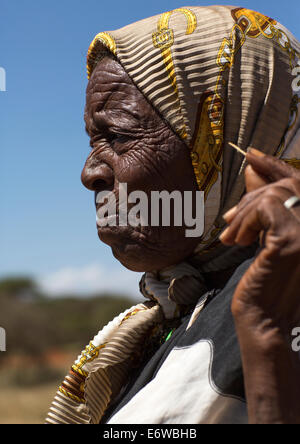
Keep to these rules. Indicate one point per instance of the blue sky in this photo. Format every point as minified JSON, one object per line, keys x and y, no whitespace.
{"x":47,"y":217}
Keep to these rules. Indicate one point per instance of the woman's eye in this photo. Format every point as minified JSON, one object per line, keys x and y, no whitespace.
{"x":110,"y":138}
{"x":116,"y":137}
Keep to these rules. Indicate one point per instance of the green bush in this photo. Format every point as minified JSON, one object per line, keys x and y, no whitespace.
{"x":35,"y":323}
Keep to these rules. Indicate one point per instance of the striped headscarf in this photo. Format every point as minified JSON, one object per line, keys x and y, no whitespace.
{"x":216,"y":74}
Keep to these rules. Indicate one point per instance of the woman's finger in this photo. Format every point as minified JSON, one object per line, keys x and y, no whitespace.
{"x":242,"y":216}
{"x":271,"y":168}
{"x":254,"y":180}
{"x":291,"y":185}
{"x":246,"y":200}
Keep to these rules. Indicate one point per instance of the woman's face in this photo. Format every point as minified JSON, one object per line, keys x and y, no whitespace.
{"x":132,"y":145}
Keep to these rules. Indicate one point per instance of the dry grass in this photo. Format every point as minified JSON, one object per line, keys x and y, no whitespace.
{"x":26,"y":405}
{"x":28,"y":385}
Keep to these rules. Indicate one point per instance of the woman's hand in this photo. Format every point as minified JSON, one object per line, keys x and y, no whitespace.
{"x":271,"y":286}
{"x":266,"y":303}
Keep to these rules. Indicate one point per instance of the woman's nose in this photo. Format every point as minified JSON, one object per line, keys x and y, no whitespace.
{"x":98,"y":177}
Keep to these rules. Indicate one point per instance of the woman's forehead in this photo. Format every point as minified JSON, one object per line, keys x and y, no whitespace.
{"x":107,"y":73}
{"x":108,"y":83}
{"x":112,"y":97}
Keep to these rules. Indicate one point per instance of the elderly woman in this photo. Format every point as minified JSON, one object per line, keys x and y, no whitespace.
{"x":212,"y":344}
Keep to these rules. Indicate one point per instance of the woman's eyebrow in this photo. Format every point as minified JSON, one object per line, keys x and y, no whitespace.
{"x":120,"y":118}
{"x":123,"y":118}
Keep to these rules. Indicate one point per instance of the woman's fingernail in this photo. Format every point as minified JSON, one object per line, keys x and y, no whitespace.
{"x":223,"y":235}
{"x":229,"y":213}
{"x":255,"y":152}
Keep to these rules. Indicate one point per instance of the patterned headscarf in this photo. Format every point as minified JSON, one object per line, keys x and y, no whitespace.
{"x":216,"y":74}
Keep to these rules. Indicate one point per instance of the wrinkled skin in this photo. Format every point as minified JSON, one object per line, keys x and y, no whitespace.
{"x":266,"y":304}
{"x":132,"y":144}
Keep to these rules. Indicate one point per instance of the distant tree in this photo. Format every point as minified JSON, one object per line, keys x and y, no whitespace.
{"x":18,"y":287}
{"x":35,"y":323}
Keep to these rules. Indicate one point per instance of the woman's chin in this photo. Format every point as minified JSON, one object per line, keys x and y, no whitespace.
{"x":140,"y":259}
{"x":138,"y":252}
{"x":133,"y":257}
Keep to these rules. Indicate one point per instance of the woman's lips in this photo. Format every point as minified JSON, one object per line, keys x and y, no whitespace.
{"x":117,"y":237}
{"x":107,"y":221}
